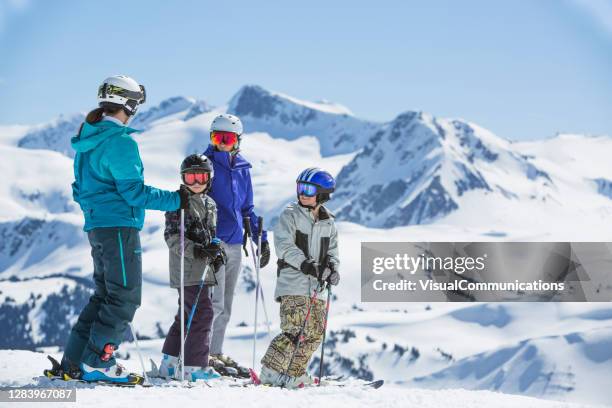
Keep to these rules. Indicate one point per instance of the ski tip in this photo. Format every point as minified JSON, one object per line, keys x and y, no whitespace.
{"x":254,"y":377}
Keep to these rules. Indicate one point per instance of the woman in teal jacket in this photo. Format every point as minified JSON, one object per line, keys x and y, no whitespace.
{"x":109,"y":187}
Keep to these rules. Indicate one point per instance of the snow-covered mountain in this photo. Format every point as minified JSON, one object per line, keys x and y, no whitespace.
{"x":418,"y":168}
{"x":54,"y":135}
{"x":178,"y":107}
{"x":286,"y":117}
{"x":577,"y":364}
{"x":428,"y":178}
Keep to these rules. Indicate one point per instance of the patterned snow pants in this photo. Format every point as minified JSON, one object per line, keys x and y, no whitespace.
{"x":293,"y":310}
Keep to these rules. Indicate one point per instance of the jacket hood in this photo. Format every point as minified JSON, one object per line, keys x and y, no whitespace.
{"x":92,"y":134}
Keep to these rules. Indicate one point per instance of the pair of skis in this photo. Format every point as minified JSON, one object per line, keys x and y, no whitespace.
{"x":55,"y":376}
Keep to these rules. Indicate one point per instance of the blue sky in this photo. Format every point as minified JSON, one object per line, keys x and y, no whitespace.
{"x":524,"y":69}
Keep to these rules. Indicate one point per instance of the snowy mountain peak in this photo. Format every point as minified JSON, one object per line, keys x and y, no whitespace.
{"x":176,"y":107}
{"x":289,"y":118}
{"x":255,"y":101}
{"x":417,"y":168}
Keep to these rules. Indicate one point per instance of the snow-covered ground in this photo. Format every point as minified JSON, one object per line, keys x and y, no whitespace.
{"x":21,"y":364}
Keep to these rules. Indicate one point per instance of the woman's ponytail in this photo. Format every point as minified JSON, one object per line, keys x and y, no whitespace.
{"x":97,"y":114}
{"x":94,"y":116}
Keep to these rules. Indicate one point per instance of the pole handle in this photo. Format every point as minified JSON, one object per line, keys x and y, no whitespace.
{"x":260,"y":226}
{"x":246,"y":222}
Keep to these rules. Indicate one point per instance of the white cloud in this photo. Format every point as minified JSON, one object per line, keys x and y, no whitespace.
{"x":599,"y":10}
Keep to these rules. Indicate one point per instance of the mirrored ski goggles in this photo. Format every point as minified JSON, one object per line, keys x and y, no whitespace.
{"x":138,"y":97}
{"x":191,"y":178}
{"x":226,"y":138}
{"x":306,"y":189}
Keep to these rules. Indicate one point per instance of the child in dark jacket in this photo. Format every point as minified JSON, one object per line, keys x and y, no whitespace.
{"x":203,"y":257}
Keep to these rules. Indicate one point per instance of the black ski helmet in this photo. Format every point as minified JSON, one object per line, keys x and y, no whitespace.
{"x":198,"y":163}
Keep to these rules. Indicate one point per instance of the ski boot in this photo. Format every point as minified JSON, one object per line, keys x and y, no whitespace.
{"x":221,"y":368}
{"x":168,"y":366}
{"x":229,"y":363}
{"x":194,"y":373}
{"x":269,"y":376}
{"x":114,"y":374}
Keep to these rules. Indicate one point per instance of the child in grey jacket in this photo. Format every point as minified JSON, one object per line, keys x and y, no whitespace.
{"x":306,"y":242}
{"x":203,"y":257}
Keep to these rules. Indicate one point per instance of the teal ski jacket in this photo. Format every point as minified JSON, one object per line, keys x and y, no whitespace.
{"x":109,"y":178}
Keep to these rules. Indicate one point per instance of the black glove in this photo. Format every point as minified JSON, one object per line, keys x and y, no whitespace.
{"x":183,"y":193}
{"x":264,"y":256}
{"x":308,"y":267}
{"x":210,"y":251}
{"x":199,"y":251}
{"x":220,"y":260}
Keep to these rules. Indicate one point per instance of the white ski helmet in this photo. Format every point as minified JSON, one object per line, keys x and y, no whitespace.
{"x":121,"y":91}
{"x":227,"y":123}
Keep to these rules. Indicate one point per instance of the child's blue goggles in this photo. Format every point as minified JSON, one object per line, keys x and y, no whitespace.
{"x":306,"y":189}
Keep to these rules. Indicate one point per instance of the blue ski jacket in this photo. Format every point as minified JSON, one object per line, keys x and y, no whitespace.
{"x":232,"y":191}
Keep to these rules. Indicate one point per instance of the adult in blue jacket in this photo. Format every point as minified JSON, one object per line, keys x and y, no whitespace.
{"x":109,"y":187}
{"x":232,"y":191}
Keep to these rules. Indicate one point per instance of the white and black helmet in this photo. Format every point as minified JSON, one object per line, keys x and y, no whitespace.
{"x":227,"y":123}
{"x":121,"y":91}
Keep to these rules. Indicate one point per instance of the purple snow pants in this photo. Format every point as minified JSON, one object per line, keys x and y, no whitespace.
{"x":198,"y":341}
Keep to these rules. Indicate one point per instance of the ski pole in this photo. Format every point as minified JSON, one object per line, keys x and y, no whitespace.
{"x":247,"y":229}
{"x":197,"y":299}
{"x":144,"y":371}
{"x":182,"y":308}
{"x":257,"y":263}
{"x":324,"y":332}
{"x":263,"y":301}
{"x":312,"y":299}
{"x":258,"y":286}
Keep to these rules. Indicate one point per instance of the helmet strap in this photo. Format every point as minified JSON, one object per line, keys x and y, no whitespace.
{"x":322,"y":198}
{"x":310,"y":207}
{"x":236,"y":149}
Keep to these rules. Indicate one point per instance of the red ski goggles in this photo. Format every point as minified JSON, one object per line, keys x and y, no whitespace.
{"x":191,"y":178}
{"x":306,"y":189}
{"x":223,"y":138}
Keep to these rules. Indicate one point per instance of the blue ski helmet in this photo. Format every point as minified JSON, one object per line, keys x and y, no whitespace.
{"x":316,"y":181}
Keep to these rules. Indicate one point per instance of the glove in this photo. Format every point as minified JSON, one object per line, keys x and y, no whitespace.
{"x":264,"y":256}
{"x":183,"y":193}
{"x":308,"y":267}
{"x":330,"y":275}
{"x":199,"y":251}
{"x":220,"y":260}
{"x":211,"y":251}
{"x":333,"y":278}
